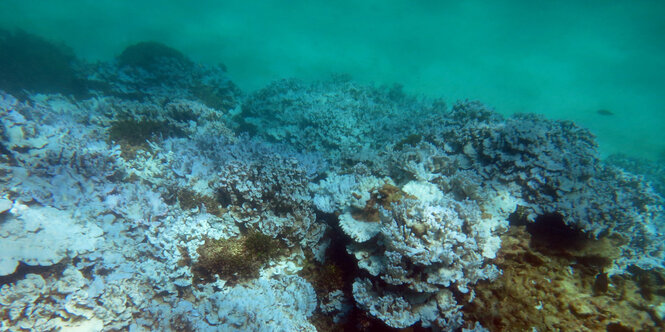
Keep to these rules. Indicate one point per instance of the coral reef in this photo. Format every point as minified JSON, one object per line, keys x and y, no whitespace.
{"x":168,"y":200}
{"x":42,"y":236}
{"x":149,"y":55}
{"x":137,"y":133}
{"x":235,"y":259}
{"x":153,"y":71}
{"x":652,"y":171}
{"x":282,"y":304}
{"x":268,"y":191}
{"x":424,"y":243}
{"x":546,"y":286}
{"x":29,"y":62}
{"x":34,"y":303}
{"x":523,"y":154}
{"x":340,"y":117}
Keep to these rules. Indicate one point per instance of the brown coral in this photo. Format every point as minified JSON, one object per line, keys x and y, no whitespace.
{"x":235,"y":259}
{"x":560,"y":290}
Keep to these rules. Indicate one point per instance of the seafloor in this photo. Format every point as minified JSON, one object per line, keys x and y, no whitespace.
{"x":150,"y":193}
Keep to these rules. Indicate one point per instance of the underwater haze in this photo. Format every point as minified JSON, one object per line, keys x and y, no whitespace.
{"x":598,"y":63}
{"x":318,"y":166}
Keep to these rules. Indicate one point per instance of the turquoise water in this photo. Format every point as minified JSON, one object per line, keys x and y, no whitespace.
{"x":564,"y":59}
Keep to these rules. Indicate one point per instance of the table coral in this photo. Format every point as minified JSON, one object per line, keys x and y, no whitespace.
{"x":42,"y":236}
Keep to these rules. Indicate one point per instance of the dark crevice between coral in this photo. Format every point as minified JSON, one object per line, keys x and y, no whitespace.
{"x":339,"y":268}
{"x":181,"y":115}
{"x":617,"y":327}
{"x":102,"y":271}
{"x":224,"y":198}
{"x":549,"y":231}
{"x":601,"y":284}
{"x":519,"y":217}
{"x":24,"y":269}
{"x":88,"y":272}
{"x":339,"y":271}
{"x":8,"y":155}
{"x":551,"y":236}
{"x":412,"y":140}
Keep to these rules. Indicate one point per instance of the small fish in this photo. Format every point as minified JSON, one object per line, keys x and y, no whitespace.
{"x":604,"y":112}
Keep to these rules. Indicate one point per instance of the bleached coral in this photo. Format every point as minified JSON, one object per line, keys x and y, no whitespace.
{"x":402,"y":309}
{"x":16,"y":297}
{"x":268,"y":191}
{"x":551,"y":167}
{"x":420,"y":194}
{"x":42,"y":236}
{"x":57,"y":160}
{"x":340,"y":117}
{"x":358,"y":230}
{"x":336,"y":305}
{"x":177,"y":239}
{"x":282,"y":304}
{"x":338,"y":193}
{"x":146,"y":240}
{"x":136,"y":203}
{"x":149,"y":70}
{"x":425,"y":245}
{"x":35,"y":303}
{"x":447,"y":239}
{"x":425,"y":241}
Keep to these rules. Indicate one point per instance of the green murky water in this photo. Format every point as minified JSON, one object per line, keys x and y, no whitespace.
{"x":565,"y":59}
